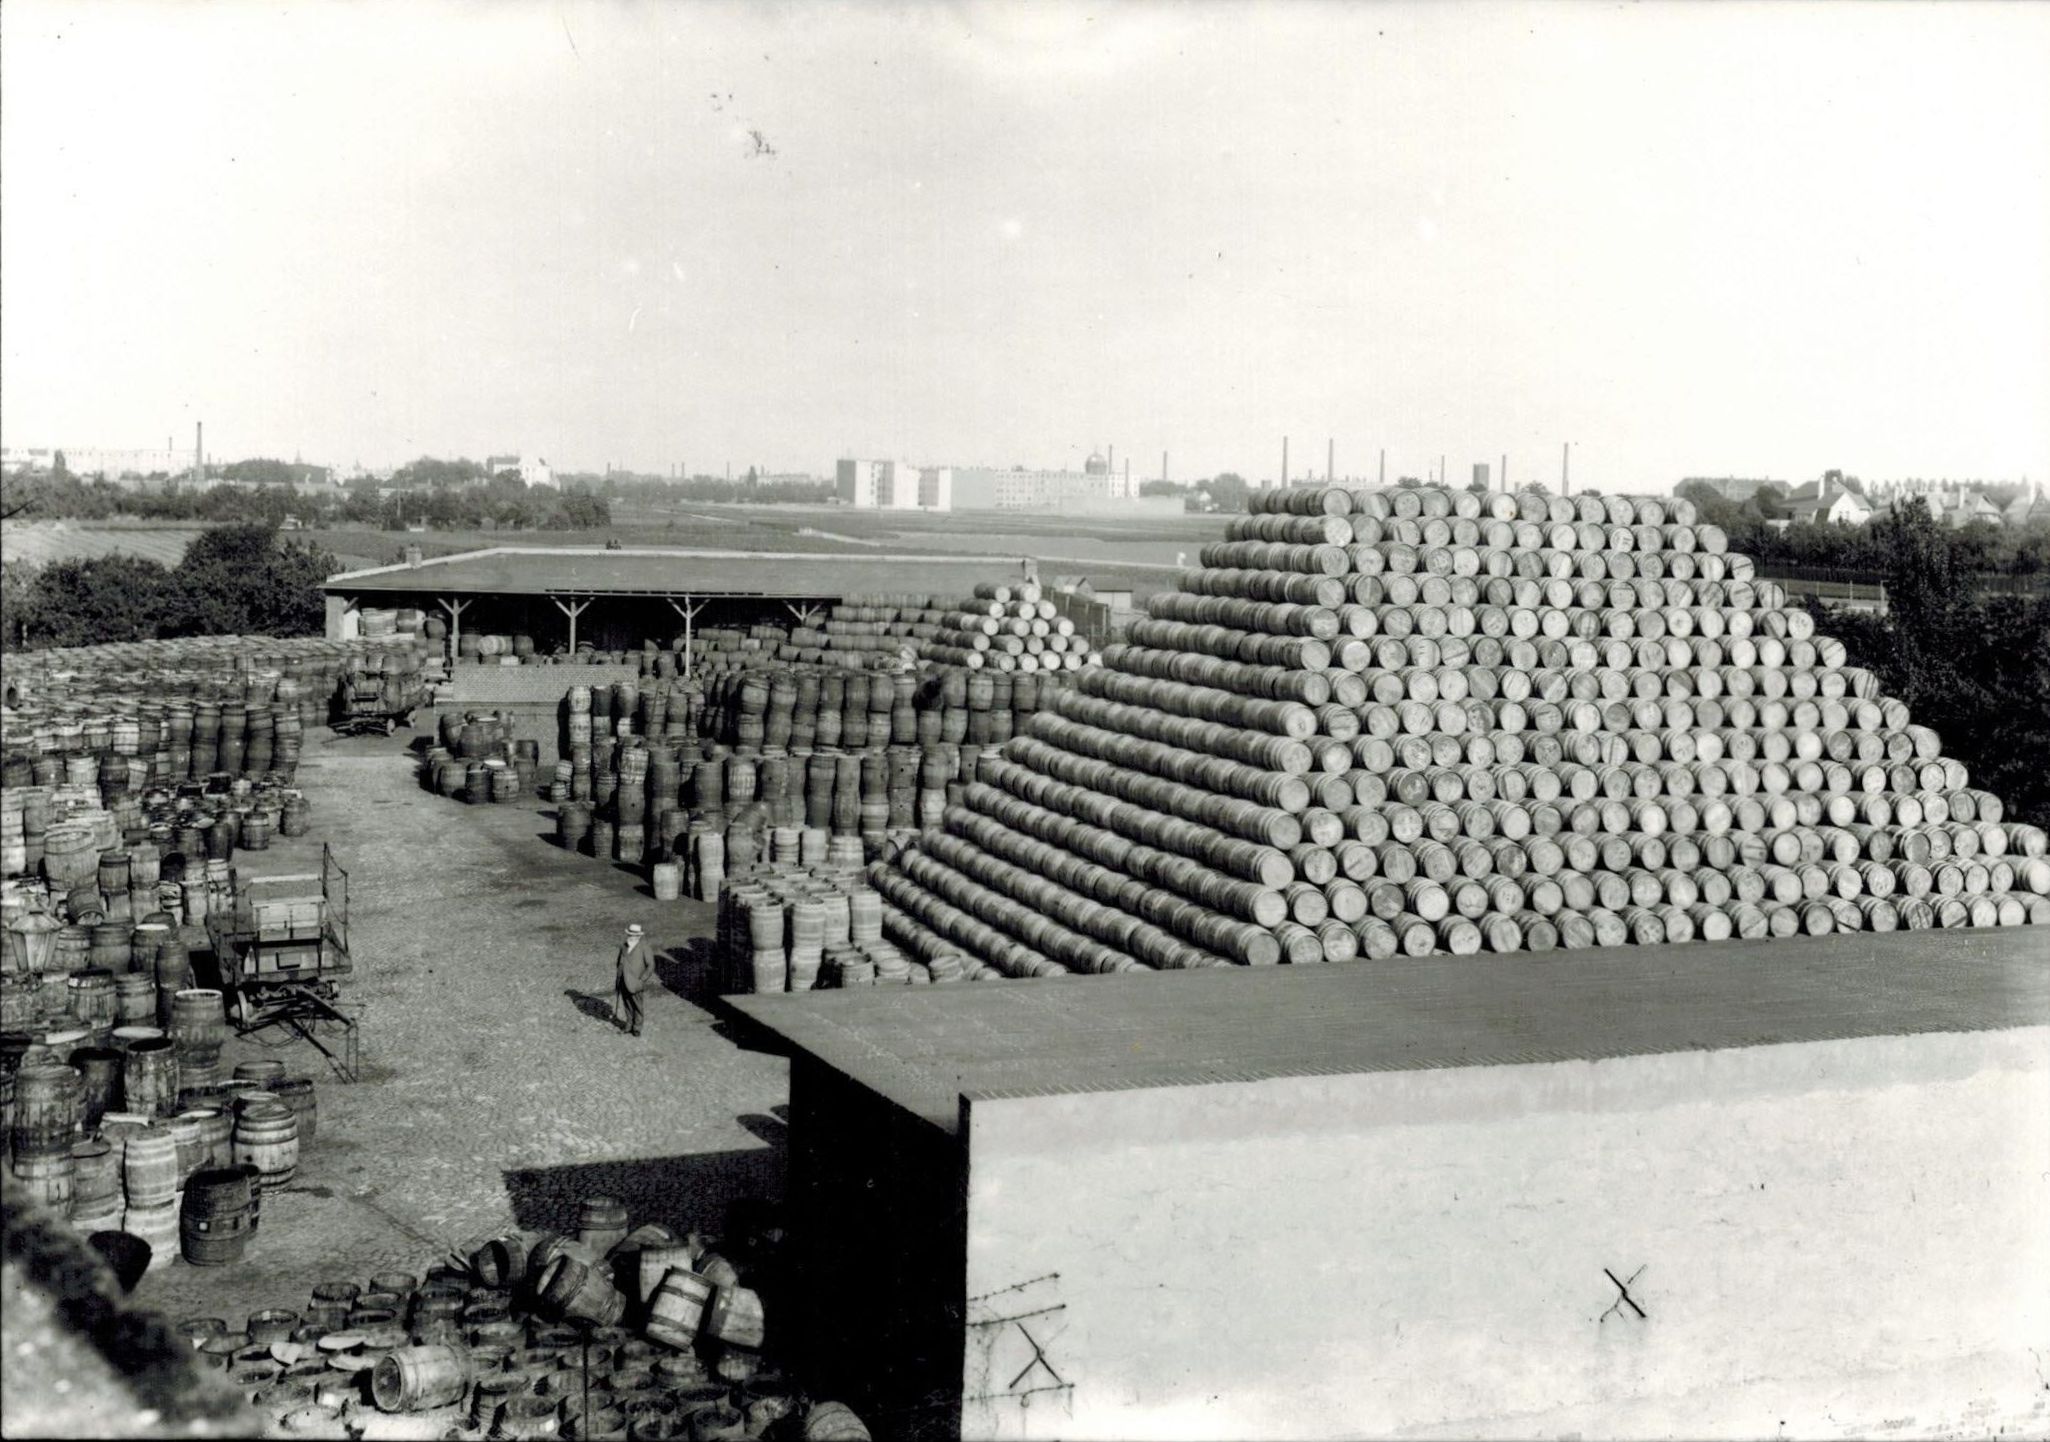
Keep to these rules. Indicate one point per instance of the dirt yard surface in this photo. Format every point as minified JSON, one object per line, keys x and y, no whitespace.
{"x":495,"y":1091}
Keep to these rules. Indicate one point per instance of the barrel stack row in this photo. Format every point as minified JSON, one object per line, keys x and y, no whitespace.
{"x":799,"y":922}
{"x":723,"y":814}
{"x":1408,"y":721}
{"x":636,"y":788}
{"x":799,"y":708}
{"x":600,"y":1331}
{"x":135,"y":1129}
{"x":179,"y":710}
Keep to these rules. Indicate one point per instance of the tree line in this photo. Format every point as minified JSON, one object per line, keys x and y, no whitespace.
{"x":1974,"y":668}
{"x":234,"y":580}
{"x":1978,"y":547}
{"x":442,"y":495}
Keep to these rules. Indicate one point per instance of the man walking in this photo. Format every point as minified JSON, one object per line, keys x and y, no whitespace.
{"x":635,"y":967}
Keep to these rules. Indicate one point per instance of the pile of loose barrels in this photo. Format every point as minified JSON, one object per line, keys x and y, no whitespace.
{"x":599,"y":1332}
{"x":116,"y":857}
{"x":1397,"y":722}
{"x":134,"y":1128}
{"x":479,"y":760}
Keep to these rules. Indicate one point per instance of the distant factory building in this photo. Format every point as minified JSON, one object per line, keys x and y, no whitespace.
{"x":892,"y":486}
{"x":1096,"y":487}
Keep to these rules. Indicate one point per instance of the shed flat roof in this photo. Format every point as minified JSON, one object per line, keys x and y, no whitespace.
{"x":593,"y":570}
{"x":923,"y":1047}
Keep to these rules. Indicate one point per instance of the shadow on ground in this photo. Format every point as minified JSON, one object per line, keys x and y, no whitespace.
{"x":597,"y":1008}
{"x":691,"y":970}
{"x":688,"y":1192}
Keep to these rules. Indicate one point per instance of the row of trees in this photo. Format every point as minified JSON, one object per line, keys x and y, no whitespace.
{"x":442,"y":495}
{"x":1979,"y":546}
{"x":232,"y":580}
{"x":1976,"y":669}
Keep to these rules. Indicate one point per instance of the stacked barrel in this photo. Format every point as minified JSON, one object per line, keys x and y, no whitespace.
{"x":693,"y":782}
{"x":802,"y":923}
{"x":134,"y":1128}
{"x":390,"y":682}
{"x":795,"y":707}
{"x":1379,"y":723}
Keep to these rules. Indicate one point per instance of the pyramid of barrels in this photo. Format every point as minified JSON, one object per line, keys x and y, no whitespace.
{"x":1409,"y":721}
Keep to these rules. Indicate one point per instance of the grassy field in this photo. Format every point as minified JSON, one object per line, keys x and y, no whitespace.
{"x":1108,"y":549}
{"x":1112,"y":551}
{"x":37,"y":543}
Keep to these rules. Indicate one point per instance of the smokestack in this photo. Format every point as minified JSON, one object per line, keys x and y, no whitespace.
{"x":199,"y":451}
{"x":1284,"y":460}
{"x":1128,"y":476}
{"x":1565,"y":468}
{"x":1331,"y":461}
{"x":1163,"y":465}
{"x":1381,"y":477}
{"x":1505,"y":472}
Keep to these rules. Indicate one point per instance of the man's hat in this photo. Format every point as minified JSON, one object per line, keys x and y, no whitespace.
{"x":633,"y":929}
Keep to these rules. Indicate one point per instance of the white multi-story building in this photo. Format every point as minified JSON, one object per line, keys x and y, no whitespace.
{"x":1094,"y":487}
{"x":884,"y":485}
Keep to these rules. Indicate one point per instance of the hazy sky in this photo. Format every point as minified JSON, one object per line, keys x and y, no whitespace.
{"x":1691,"y":239}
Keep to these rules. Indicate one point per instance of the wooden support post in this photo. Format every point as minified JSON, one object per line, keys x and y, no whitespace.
{"x":689,"y":611}
{"x":455,"y":609}
{"x":572,"y":610}
{"x":804,"y":615}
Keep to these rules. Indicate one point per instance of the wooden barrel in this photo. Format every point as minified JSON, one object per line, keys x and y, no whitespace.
{"x":99,"y":1070}
{"x":49,"y":1110}
{"x":299,"y":1095}
{"x":735,"y":1317}
{"x":575,"y":1290}
{"x":218,"y":1216}
{"x":656,"y":1261}
{"x":135,"y":996}
{"x":156,"y":1224}
{"x":46,"y":1178}
{"x":112,"y":942}
{"x":602,"y":1223}
{"x":149,"y":1077}
{"x":419,"y":1379}
{"x":267,"y":1139}
{"x":198,"y":1024}
{"x":834,"y":1422}
{"x":149,"y":1168}
{"x":676,"y":1309}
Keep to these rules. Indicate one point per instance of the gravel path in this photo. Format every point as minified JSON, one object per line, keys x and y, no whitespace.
{"x":495,"y":1091}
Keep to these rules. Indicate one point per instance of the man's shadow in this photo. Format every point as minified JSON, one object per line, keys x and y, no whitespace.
{"x":597,"y":1008}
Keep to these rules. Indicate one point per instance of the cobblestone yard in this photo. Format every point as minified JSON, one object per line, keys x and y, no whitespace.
{"x":495,"y":1090}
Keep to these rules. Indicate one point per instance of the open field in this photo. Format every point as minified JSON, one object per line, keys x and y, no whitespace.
{"x":38,"y":543}
{"x":494,"y":1094}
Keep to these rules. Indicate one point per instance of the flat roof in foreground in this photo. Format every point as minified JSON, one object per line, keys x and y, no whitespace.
{"x":595,"y":571}
{"x":923,"y":1047}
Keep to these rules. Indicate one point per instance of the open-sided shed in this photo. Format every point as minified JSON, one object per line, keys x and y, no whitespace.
{"x":622,"y":597}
